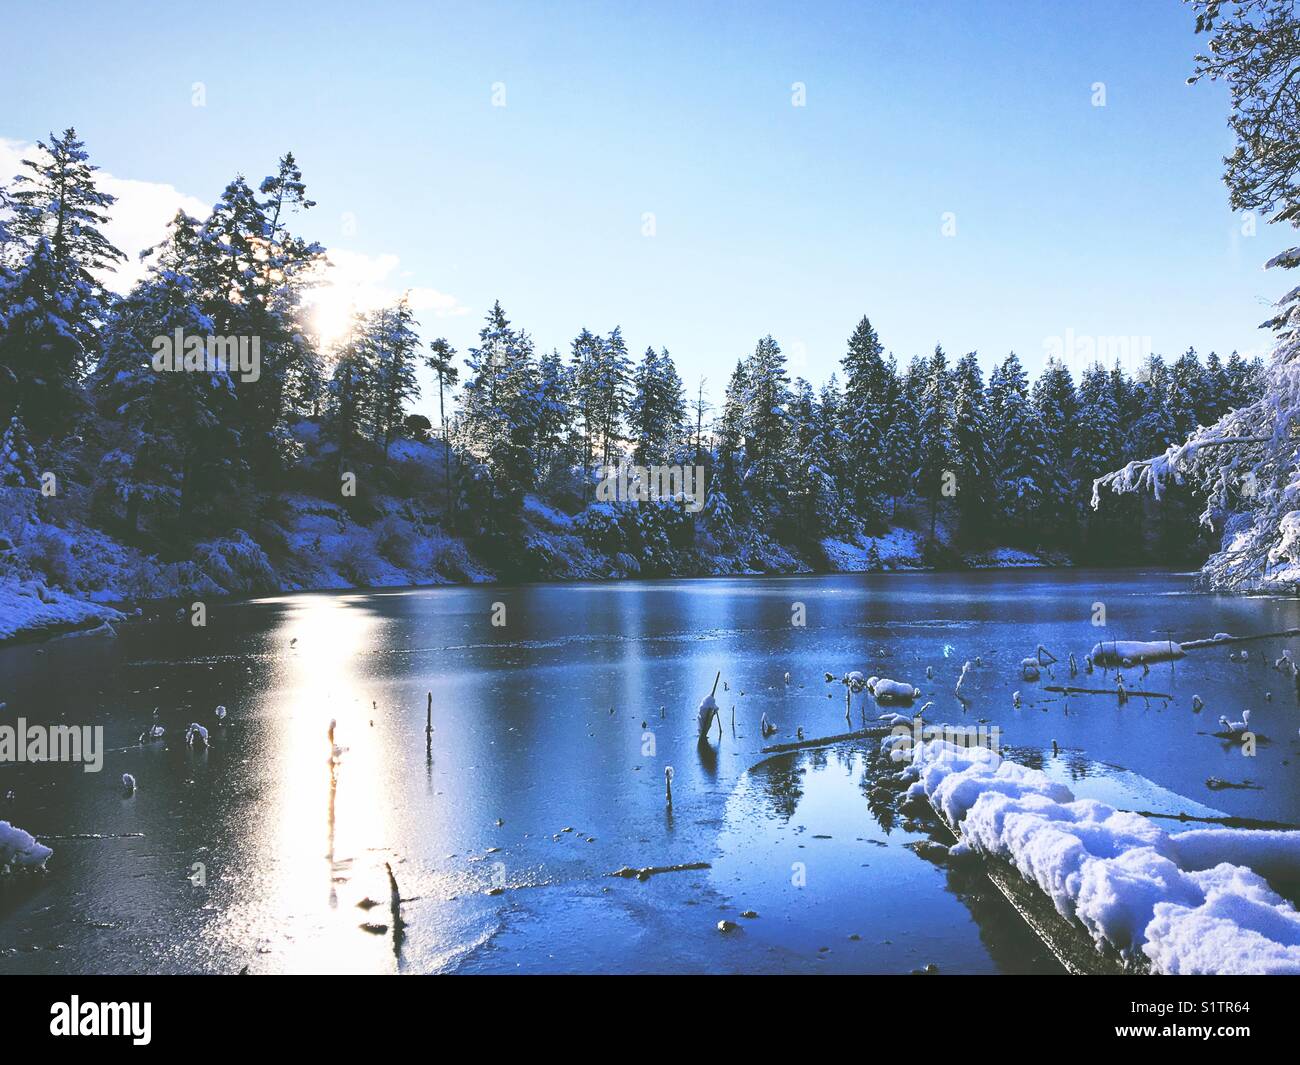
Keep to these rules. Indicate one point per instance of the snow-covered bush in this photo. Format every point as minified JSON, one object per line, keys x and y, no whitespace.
{"x":19,"y":851}
{"x":228,"y":566}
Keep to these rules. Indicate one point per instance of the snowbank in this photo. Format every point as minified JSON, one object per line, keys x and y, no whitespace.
{"x":30,"y":609}
{"x":1129,"y":883}
{"x":19,"y":850}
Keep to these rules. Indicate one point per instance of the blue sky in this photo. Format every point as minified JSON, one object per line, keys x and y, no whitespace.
{"x":1100,"y":221}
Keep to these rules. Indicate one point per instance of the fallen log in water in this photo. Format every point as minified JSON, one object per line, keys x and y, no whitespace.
{"x":1068,"y":940}
{"x":822,"y":741}
{"x":1112,"y":692}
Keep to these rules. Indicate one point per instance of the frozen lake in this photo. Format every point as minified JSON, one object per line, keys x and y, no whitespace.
{"x":551,"y":725}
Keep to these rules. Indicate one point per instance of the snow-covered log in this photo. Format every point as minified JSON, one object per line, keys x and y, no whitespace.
{"x":1122,"y":652}
{"x":1196,"y":905}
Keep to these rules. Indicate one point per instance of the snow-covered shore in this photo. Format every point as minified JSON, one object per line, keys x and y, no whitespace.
{"x":57,"y":578}
{"x":31,"y":610}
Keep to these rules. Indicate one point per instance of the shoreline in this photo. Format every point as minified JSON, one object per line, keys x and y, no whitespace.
{"x":99,"y":618}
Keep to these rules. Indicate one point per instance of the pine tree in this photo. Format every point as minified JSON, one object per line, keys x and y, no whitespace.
{"x":351,"y":389}
{"x":41,"y":353}
{"x":612,"y":391}
{"x":1098,"y":440}
{"x":1212,"y":403}
{"x":867,"y":415}
{"x":767,"y":423}
{"x":554,"y":414}
{"x":586,"y":356}
{"x":656,"y":409}
{"x":439,"y":361}
{"x":900,"y":439}
{"x":498,"y":419}
{"x":972,"y":448}
{"x":1152,"y":424}
{"x":258,"y":274}
{"x":814,"y":492}
{"x":1022,"y":467}
{"x":393,"y":344}
{"x":180,"y":451}
{"x":731,"y":472}
{"x":934,"y":435}
{"x":1056,"y":405}
{"x":56,"y":201}
{"x":1187,"y":387}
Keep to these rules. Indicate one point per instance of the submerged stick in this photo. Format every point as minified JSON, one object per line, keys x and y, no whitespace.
{"x":1227,"y":822}
{"x":1068,"y":690}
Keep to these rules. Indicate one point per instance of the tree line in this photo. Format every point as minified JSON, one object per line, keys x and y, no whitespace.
{"x":972,"y":462}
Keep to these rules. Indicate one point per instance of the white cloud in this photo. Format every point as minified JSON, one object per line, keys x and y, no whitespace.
{"x":352,"y":281}
{"x":137,"y":221}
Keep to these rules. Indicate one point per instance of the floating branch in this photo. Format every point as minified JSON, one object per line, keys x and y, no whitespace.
{"x":1223,"y":637}
{"x":645,"y":872}
{"x":797,"y":745}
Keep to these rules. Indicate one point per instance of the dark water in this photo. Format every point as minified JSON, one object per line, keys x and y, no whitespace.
{"x":539,"y":723}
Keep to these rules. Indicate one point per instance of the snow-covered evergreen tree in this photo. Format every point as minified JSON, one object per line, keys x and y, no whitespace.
{"x":934,"y":434}
{"x":1022,"y":467}
{"x":868,"y":415}
{"x":18,"y":467}
{"x":554,"y":415}
{"x":41,"y":352}
{"x":972,"y":448}
{"x":56,"y":201}
{"x":499,"y":419}
{"x":1056,"y":405}
{"x":439,"y":361}
{"x":1186,"y":389}
{"x":767,"y":427}
{"x":656,"y":408}
{"x":730,"y":468}
{"x":1248,"y":462}
{"x":393,"y":344}
{"x":179,"y":452}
